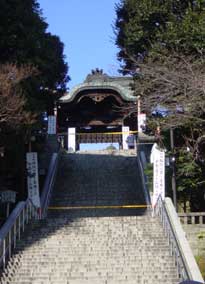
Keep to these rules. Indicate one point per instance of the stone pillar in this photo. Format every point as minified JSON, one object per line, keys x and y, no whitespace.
{"x":72,"y":139}
{"x":125,"y":134}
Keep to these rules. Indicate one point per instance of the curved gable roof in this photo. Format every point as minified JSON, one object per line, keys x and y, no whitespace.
{"x":122,"y":89}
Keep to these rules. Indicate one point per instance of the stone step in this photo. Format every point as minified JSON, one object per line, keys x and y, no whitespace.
{"x":95,"y":246}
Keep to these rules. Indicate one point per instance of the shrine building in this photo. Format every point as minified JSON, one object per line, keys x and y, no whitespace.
{"x":98,"y":110}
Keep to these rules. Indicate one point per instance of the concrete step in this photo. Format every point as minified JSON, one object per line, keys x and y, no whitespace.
{"x":108,"y":246}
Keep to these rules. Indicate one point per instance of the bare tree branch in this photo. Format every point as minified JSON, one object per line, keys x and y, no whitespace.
{"x":12,"y":101}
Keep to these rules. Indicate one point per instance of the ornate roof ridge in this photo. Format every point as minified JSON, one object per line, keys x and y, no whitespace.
{"x":99,"y":80}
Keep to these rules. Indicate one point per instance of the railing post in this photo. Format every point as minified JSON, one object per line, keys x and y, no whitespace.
{"x":9,"y":243}
{"x":200,"y":219}
{"x":4,"y":253}
{"x":184,"y":258}
{"x":11,"y":230}
{"x":19,"y":227}
{"x":27,"y":212}
{"x":15,"y":234}
{"x":24,"y":212}
{"x":30,"y":211}
{"x":23,"y":216}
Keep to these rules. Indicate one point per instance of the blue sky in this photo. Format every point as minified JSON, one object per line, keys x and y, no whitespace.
{"x":97,"y":146}
{"x":85,"y":27}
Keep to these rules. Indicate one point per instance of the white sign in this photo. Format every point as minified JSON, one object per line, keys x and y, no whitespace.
{"x":71,"y":139}
{"x":32,"y":178}
{"x":125,"y":134}
{"x":159,"y":175}
{"x":8,"y":196}
{"x":154,"y":149}
{"x":141,"y":122}
{"x":51,"y":124}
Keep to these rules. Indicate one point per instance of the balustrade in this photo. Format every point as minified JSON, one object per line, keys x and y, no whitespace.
{"x":24,"y":212}
{"x":179,"y":247}
{"x":13,"y":229}
{"x":175,"y":249}
{"x":193,"y":218}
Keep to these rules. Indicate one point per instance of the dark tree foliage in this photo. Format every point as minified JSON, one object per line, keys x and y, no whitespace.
{"x":25,"y":46}
{"x":145,"y":26}
{"x":162,"y":43}
{"x":24,"y":40}
{"x":22,"y":29}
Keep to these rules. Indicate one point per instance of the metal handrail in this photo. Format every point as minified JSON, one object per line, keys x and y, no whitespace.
{"x":179,"y":247}
{"x":143,"y":177}
{"x":12,"y":229}
{"x":24,"y":211}
{"x":49,"y":183}
{"x":175,"y":249}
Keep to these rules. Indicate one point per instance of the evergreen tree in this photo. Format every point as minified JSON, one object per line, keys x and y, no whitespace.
{"x":33,"y":74}
{"x":162,"y":43}
{"x":24,"y":40}
{"x":146,"y":26}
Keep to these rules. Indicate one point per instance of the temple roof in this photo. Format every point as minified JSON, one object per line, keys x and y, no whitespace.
{"x":98,"y":80}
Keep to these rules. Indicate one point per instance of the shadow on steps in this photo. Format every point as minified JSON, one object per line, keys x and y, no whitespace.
{"x":89,"y":180}
{"x":97,"y":184}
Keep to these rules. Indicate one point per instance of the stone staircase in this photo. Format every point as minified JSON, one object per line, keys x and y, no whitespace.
{"x":51,"y":146}
{"x":78,"y":245}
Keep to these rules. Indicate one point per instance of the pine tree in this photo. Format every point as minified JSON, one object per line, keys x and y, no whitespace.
{"x":147,"y":26}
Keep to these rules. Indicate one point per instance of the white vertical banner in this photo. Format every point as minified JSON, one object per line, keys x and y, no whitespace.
{"x":125,"y":134}
{"x":159,"y":175}
{"x":72,"y":139}
{"x":141,"y":122}
{"x":51,"y":124}
{"x":32,"y":178}
{"x":153,"y":150}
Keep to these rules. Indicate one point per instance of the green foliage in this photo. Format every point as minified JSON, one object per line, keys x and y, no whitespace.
{"x":201,"y":235}
{"x":147,"y":26}
{"x":189,"y":174}
{"x":188,"y":34}
{"x":111,"y":147}
{"x":24,"y":40}
{"x":25,"y":43}
{"x":162,"y":43}
{"x":201,"y":263}
{"x":190,"y":180}
{"x":149,"y":173}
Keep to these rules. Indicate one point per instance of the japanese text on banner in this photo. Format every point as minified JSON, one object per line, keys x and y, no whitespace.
{"x":159,"y":175}
{"x":32,"y":178}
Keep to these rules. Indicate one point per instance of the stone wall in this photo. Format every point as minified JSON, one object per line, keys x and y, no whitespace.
{"x":194,"y":227}
{"x":195,"y":234}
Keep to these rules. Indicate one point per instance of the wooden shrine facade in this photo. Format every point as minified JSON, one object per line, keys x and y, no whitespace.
{"x":102,"y":104}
